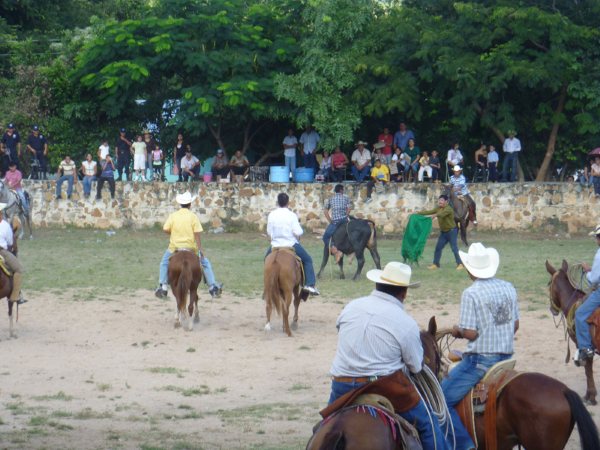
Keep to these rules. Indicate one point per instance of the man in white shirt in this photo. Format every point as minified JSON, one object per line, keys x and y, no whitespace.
{"x":284,"y":230}
{"x":455,"y":158}
{"x":14,"y":265}
{"x":103,"y":150}
{"x":361,"y":162}
{"x":309,"y":141}
{"x":511,"y":147}
{"x":89,"y":168}
{"x":190,"y":166}
{"x":378,"y":338}
{"x":290,"y":144}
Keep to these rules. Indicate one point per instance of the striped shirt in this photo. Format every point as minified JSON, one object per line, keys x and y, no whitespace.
{"x":459,"y":184}
{"x":376,"y":337}
{"x":490,"y":307}
{"x":339,"y":205}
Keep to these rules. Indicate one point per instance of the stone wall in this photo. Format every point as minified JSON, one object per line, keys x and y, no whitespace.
{"x":502,"y":206}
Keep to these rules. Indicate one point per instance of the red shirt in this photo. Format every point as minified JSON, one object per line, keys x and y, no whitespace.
{"x":338,"y":159}
{"x":388,"y":139}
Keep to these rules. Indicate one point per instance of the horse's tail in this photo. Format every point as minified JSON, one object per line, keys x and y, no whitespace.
{"x":588,"y":432}
{"x":272,"y":288}
{"x":183,"y":285}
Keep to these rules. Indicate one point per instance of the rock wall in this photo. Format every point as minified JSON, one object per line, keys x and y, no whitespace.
{"x":501,"y":206}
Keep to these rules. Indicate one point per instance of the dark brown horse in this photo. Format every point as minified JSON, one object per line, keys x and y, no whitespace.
{"x":562,"y":298}
{"x":462,"y":215}
{"x":282,"y":280}
{"x":534,"y":410}
{"x":185,"y":274}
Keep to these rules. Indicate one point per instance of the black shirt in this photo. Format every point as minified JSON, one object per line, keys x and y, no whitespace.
{"x":123,"y":148}
{"x":11,"y":143}
{"x":37,"y":143}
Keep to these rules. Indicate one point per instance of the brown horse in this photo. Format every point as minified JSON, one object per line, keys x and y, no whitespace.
{"x":283,"y":277}
{"x":185,"y":274}
{"x":562,"y":298}
{"x":534,"y":410}
{"x":6,"y":281}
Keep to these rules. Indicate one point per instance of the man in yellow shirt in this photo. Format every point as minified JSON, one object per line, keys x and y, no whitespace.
{"x":380,"y":175}
{"x":184,"y":228}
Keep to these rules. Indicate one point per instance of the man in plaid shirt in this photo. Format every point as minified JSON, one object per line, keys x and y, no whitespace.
{"x":489,"y":319}
{"x":337,"y":209}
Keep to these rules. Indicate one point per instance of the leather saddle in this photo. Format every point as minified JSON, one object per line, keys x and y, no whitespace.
{"x":291,"y":251}
{"x":4,"y":267}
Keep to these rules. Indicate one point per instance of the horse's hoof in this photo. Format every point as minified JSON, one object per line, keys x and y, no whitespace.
{"x":197,"y":319}
{"x":268,"y":327}
{"x":295,"y":325}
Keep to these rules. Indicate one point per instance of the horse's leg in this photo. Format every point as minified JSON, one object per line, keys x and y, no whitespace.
{"x":196,"y":311}
{"x":287,"y":299}
{"x":590,"y":394}
{"x":269,"y":309}
{"x":296,"y":306}
{"x":463,"y":232}
{"x":325,"y":259}
{"x":12,"y":331}
{"x":341,"y":265}
{"x":360,"y":261}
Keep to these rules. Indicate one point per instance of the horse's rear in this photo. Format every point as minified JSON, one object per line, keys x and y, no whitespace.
{"x":185,"y":275}
{"x":282,"y":279}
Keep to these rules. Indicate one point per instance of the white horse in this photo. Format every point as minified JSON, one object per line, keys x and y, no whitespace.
{"x":16,"y":208}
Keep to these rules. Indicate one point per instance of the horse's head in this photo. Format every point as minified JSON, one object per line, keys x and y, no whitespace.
{"x":561,"y":291}
{"x":431,"y":350}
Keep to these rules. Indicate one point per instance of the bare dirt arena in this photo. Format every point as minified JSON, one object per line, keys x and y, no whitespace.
{"x":114,"y":373}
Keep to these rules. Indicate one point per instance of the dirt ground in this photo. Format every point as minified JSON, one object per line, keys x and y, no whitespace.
{"x":114,"y":373}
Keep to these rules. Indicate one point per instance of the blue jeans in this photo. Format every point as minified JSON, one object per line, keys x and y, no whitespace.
{"x":87,"y":184}
{"x":330,"y":230}
{"x":360,"y":175}
{"x":510,"y":162}
{"x":445,"y":237}
{"x":582,"y":328}
{"x":290,"y":163}
{"x":206,"y":268}
{"x":417,"y":416}
{"x":459,"y":382}
{"x":309,"y":270}
{"x":69,"y":179}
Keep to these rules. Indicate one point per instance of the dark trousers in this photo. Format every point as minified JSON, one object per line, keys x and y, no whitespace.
{"x":123,"y":166}
{"x":493,"y":169}
{"x":239,"y":170}
{"x":222,"y":172}
{"x":186,"y":176}
{"x":39,"y":173}
{"x":435,"y":174}
{"x":511,"y":161}
{"x":111,"y":185}
{"x":310,"y":160}
{"x":445,"y":238}
{"x":370,"y":186}
{"x":338,"y":175}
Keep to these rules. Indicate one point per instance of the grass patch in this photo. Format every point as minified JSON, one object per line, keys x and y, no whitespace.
{"x":299,"y":387}
{"x":165,"y":370}
{"x":191,"y":350}
{"x":58,"y":396}
{"x":89,"y":413}
{"x":187,"y":392}
{"x":103,"y":387}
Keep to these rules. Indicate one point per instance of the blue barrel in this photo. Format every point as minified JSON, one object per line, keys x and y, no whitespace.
{"x":304,"y":175}
{"x":279,"y":174}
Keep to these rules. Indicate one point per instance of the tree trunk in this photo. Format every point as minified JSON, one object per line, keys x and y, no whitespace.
{"x":216,"y":132}
{"x":267,"y":155}
{"x":494,"y":128}
{"x":551,"y":146}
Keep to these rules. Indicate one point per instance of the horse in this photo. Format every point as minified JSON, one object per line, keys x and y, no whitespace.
{"x":6,"y":281}
{"x":562,"y":298}
{"x":185,"y":275}
{"x":461,"y":213}
{"x":15,"y":207}
{"x":282,"y":280}
{"x":353,"y":237}
{"x":534,"y":410}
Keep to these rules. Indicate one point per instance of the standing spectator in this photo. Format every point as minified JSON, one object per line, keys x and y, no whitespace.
{"x":380,"y":176}
{"x":103,"y":150}
{"x":424,"y":166}
{"x":123,"y":151}
{"x":337,"y":210}
{"x":13,"y":179}
{"x":455,"y":158}
{"x":89,"y":169}
{"x":595,"y":177}
{"x":436,"y":166}
{"x":339,"y":164}
{"x":492,"y":160}
{"x":178,"y":154}
{"x":481,"y":164}
{"x":448,"y":232}
{"x":511,"y":147}
{"x":309,"y":141}
{"x":361,"y":162}
{"x":387,"y":140}
{"x":139,"y":159}
{"x":38,"y":146}
{"x":325,"y":166}
{"x":290,"y":144}
{"x":414,"y":153}
{"x":239,"y":165}
{"x":220,"y":165}
{"x":106,"y":174}
{"x":157,"y":162}
{"x":190,"y":165}
{"x":402,"y":136}
{"x":67,"y":171}
{"x":11,"y":146}
{"x":150,"y":146}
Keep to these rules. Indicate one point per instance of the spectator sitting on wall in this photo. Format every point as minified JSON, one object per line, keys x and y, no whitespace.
{"x":67,"y":171}
{"x":325,"y":166}
{"x":380,"y":176}
{"x":107,"y":174}
{"x":190,"y":165}
{"x":239,"y":165}
{"x":361,"y":160}
{"x":434,"y":162}
{"x":339,"y":164}
{"x":220,"y":165}
{"x":88,"y":169}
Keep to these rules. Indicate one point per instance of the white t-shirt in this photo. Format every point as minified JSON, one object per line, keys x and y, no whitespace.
{"x":309,"y":141}
{"x":104,"y":150}
{"x":188,"y":163}
{"x":6,"y":235}
{"x":361,"y":158}
{"x":290,"y":140}
{"x":89,"y":168}
{"x":283,"y":228}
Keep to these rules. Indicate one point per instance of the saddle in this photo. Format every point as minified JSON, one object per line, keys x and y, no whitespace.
{"x":291,"y":251}
{"x":482,"y":398}
{"x":593,"y":320}
{"x":4,"y":267}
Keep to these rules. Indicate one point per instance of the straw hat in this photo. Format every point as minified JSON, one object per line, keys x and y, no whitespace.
{"x":457,"y":168}
{"x":596,"y":231}
{"x":185,"y":199}
{"x":481,"y":262}
{"x":394,"y":273}
{"x":379,"y":145}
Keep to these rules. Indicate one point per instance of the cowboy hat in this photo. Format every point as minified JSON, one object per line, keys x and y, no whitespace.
{"x":596,"y":231}
{"x":481,"y":262}
{"x":3,"y":206}
{"x":457,"y":168}
{"x":185,"y":199}
{"x":394,"y":273}
{"x":379,"y":145}
{"x":361,"y":143}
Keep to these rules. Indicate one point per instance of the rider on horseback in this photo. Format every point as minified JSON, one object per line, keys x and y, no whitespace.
{"x":337,"y":210}
{"x":13,"y":179}
{"x":489,"y":319}
{"x":11,"y":261}
{"x":184,"y":228}
{"x":284,"y":230}
{"x":585,"y":349}
{"x":459,"y":185}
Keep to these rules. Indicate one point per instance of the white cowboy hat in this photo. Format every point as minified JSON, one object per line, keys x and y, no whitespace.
{"x":361,"y":143}
{"x":394,"y":273}
{"x":481,"y":262}
{"x":3,"y":206}
{"x":185,"y":199}
{"x":596,"y":231}
{"x":457,"y":168}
